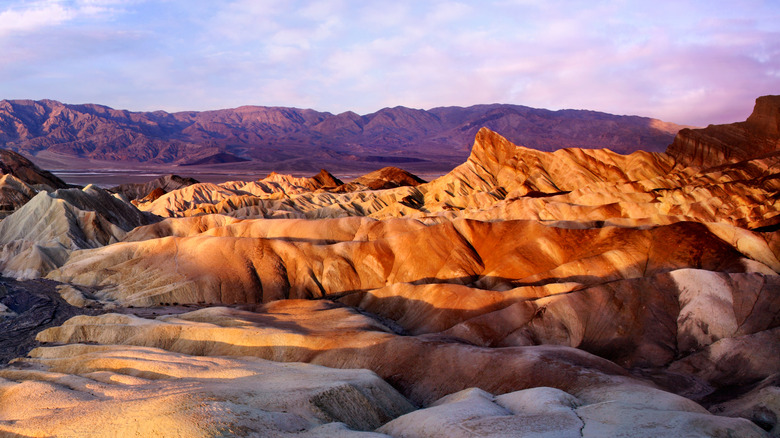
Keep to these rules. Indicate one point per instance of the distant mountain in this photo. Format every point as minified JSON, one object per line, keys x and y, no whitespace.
{"x":276,"y":134}
{"x":218,"y":158}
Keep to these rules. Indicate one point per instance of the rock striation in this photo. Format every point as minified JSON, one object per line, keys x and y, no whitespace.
{"x":39,"y":236}
{"x":20,"y":180}
{"x":123,"y":391}
{"x":238,"y":265}
{"x":11,"y":163}
{"x":721,"y":144}
{"x":500,"y":181}
{"x":548,"y":412}
{"x":382,"y":179}
{"x":573,"y":390}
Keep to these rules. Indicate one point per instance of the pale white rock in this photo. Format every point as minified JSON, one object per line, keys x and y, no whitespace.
{"x":706,"y":308}
{"x":38,"y":237}
{"x":605,"y":411}
{"x":611,"y":419}
{"x":734,"y":361}
{"x":90,"y":390}
{"x":761,"y":406}
{"x":5,"y":312}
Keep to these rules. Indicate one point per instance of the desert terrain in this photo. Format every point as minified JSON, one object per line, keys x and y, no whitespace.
{"x":572,"y":292}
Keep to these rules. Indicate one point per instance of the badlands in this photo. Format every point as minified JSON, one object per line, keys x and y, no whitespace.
{"x":543,"y":294}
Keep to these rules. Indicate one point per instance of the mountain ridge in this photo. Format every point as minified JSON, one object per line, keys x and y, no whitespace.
{"x":279,"y":134}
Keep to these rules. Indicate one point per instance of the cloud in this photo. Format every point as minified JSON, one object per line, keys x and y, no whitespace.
{"x":677,"y":61}
{"x":34,"y":16}
{"x":691,"y":71}
{"x":247,"y":20}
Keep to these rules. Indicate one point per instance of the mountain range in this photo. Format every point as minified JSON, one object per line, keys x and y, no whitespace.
{"x":305,"y":139}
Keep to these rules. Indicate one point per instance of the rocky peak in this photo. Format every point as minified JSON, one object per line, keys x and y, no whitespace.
{"x":490,"y":150}
{"x":326,"y":179}
{"x":766,"y":116}
{"x":716,"y":145}
{"x":389,"y":177}
{"x":166,"y":182}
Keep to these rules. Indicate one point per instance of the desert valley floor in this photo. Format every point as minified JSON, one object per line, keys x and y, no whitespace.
{"x":538,"y":294}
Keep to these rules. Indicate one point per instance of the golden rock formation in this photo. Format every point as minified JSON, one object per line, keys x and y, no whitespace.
{"x":96,"y":390}
{"x":39,"y":236}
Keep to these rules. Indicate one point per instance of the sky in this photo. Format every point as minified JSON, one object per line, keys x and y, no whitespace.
{"x":688,"y":62}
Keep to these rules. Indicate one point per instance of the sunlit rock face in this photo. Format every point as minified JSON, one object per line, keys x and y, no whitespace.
{"x":486,"y":255}
{"x":40,"y":235}
{"x":618,"y":410}
{"x":717,"y":145}
{"x":735,"y":184}
{"x":573,"y":389}
{"x":21,"y":180}
{"x":95,"y":390}
{"x":571,"y":293}
{"x":385,"y":178}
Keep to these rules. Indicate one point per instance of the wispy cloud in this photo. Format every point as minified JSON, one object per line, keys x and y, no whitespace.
{"x":34,"y":16}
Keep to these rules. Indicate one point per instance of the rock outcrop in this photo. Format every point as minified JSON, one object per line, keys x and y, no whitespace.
{"x":209,"y":198}
{"x":722,"y":144}
{"x":223,"y":266}
{"x":382,"y":179}
{"x":165,"y":183}
{"x":95,"y":390}
{"x":628,"y":410}
{"x":20,"y":180}
{"x":13,"y":194}
{"x":573,"y":390}
{"x":11,"y":163}
{"x":39,"y":236}
{"x":501,"y":181}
